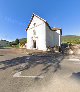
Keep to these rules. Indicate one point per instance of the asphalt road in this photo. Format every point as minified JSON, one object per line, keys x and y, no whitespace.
{"x":20,"y":72}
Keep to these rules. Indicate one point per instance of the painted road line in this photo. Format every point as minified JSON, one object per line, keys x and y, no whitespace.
{"x":18,"y":74}
{"x":73,"y":59}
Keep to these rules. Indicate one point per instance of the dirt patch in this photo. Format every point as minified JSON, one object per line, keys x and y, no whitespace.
{"x":74,"y":49}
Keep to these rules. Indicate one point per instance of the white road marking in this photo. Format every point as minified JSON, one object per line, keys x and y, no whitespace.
{"x":73,"y":59}
{"x":18,"y":74}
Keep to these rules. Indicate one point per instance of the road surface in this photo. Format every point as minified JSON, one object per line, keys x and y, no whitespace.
{"x":20,"y":72}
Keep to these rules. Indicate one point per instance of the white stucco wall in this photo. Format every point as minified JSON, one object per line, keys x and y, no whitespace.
{"x":57,"y":37}
{"x":44,"y":35}
{"x":49,"y":37}
{"x":53,"y":37}
{"x":40,"y":34}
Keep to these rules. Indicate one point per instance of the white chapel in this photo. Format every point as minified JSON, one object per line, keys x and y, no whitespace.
{"x":40,"y":35}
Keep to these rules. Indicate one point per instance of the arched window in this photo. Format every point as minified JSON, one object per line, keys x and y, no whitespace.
{"x":34,"y":24}
{"x":34,"y":32}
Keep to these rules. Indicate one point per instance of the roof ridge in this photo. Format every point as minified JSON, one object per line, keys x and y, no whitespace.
{"x":39,"y":17}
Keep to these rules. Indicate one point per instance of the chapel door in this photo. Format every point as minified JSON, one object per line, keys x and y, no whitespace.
{"x":34,"y":43}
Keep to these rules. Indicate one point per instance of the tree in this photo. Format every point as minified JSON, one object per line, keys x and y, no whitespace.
{"x":17,"y":41}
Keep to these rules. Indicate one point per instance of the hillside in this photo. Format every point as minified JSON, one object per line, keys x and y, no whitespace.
{"x":4,"y":43}
{"x":71,"y":39}
{"x":20,"y":40}
{"x":23,"y":40}
{"x":68,"y":38}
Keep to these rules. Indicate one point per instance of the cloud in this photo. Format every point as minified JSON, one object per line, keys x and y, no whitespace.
{"x":7,"y":37}
{"x":11,"y":20}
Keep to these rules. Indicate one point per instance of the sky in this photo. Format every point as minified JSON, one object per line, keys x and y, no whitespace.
{"x":15,"y":16}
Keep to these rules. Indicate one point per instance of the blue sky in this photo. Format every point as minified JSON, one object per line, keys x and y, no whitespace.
{"x":16,"y":14}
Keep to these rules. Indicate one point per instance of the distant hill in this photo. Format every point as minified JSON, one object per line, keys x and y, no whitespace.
{"x":4,"y":43}
{"x":67,"y":38}
{"x":23,"y":40}
{"x":71,"y":39}
{"x":70,"y":35}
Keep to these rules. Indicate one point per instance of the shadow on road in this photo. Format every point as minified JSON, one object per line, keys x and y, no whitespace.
{"x":26,"y":62}
{"x":1,"y":55}
{"x":76,"y":76}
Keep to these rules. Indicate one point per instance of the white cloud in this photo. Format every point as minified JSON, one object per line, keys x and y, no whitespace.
{"x":11,"y":20}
